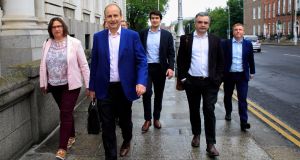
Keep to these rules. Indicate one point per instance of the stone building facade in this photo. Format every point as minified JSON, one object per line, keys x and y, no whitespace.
{"x":269,"y":18}
{"x":23,"y":25}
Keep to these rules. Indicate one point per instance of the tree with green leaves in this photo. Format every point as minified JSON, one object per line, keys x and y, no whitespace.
{"x":219,"y":23}
{"x":138,"y":11}
{"x":219,"y":17}
{"x":235,"y":8}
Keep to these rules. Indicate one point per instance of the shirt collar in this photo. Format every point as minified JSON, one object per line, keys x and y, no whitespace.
{"x":118,"y":32}
{"x":196,"y":35}
{"x":235,"y":41}
{"x":156,"y":31}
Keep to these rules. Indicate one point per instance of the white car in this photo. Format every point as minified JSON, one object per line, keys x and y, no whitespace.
{"x":255,"y":42}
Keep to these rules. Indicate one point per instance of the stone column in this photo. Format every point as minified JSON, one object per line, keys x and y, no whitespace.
{"x":40,"y":13}
{"x":19,"y":15}
{"x":21,"y":34}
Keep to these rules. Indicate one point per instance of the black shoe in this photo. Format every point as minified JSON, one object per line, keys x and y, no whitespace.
{"x":228,"y":117}
{"x":245,"y":126}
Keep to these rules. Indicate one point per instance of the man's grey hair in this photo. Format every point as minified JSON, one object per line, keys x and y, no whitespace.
{"x":202,"y":14}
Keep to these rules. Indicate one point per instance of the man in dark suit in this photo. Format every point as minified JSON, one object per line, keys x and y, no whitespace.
{"x":239,"y":62}
{"x":159,"y":46}
{"x":118,"y":76}
{"x":200,"y":65}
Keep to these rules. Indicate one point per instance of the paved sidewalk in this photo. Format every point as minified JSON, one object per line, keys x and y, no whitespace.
{"x":173,"y":140}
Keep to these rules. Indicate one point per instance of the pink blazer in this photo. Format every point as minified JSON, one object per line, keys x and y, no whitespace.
{"x":77,"y":64}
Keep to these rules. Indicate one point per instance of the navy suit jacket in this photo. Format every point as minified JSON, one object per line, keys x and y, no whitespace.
{"x":132,"y":64}
{"x":166,"y":48}
{"x":247,"y":57}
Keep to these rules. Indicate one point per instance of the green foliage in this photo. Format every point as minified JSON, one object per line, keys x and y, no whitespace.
{"x":219,"y":23}
{"x":138,"y":12}
{"x":219,"y":17}
{"x":236,"y":11}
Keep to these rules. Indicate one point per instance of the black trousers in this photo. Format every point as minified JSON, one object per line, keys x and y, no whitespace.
{"x":195,"y":89}
{"x":116,"y":104}
{"x":157,"y":77}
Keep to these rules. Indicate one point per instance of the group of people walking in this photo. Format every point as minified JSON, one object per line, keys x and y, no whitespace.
{"x":126,"y":65}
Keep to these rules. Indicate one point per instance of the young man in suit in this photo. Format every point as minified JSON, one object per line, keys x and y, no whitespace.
{"x":200,"y":66}
{"x":159,"y":46}
{"x":118,"y":76}
{"x":239,"y":62}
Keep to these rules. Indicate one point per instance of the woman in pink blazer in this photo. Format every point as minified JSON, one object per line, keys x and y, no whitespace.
{"x":63,"y":64}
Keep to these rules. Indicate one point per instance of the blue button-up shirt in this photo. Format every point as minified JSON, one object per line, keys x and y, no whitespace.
{"x":153,"y":41}
{"x":237,"y":58}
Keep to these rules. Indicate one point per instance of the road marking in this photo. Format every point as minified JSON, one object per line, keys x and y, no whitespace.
{"x":279,"y":126}
{"x":291,"y":55}
{"x":274,"y":118}
{"x":264,"y":115}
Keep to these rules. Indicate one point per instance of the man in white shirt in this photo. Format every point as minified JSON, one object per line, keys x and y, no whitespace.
{"x":200,"y":69}
{"x":118,"y":77}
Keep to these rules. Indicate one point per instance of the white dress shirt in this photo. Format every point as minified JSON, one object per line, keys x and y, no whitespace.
{"x":114,"y":43}
{"x":199,"y":64}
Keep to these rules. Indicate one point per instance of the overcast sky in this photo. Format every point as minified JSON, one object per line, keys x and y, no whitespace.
{"x":190,"y":8}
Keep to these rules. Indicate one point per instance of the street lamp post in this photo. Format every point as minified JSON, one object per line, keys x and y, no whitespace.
{"x":295,"y":23}
{"x":180,"y":30}
{"x":228,"y":30}
{"x":158,"y":5}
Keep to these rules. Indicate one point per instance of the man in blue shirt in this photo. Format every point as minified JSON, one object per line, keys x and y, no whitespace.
{"x":159,"y":47}
{"x":239,"y":62}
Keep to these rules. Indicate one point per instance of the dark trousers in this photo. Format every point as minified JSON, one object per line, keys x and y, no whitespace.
{"x":115,"y":104}
{"x":195,"y":89}
{"x":157,"y":77}
{"x":231,"y":80}
{"x":66,"y":101}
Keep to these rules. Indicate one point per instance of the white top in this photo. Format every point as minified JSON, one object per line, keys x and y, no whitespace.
{"x":56,"y":62}
{"x":199,"y":64}
{"x":114,"y":43}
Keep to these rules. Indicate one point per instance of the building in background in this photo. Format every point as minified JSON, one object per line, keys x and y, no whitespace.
{"x":271,"y":18}
{"x":23,"y":25}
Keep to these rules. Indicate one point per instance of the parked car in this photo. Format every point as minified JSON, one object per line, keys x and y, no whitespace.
{"x":255,"y":42}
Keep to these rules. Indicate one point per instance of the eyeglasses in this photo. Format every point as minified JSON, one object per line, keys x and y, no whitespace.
{"x":59,"y":27}
{"x":203,"y":22}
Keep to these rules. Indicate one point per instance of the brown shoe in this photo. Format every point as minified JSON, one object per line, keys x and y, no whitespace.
{"x":124,"y":149}
{"x":146,"y":126}
{"x":71,"y":141}
{"x":61,"y":154}
{"x":196,"y":141}
{"x":157,"y":124}
{"x":211,"y":150}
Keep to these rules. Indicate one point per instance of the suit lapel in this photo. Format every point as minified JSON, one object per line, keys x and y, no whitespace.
{"x":160,"y":41}
{"x":106,"y":45}
{"x":122,"y":41}
{"x":229,"y":43}
{"x":145,"y":38}
{"x":190,"y":39}
{"x":244,"y":52}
